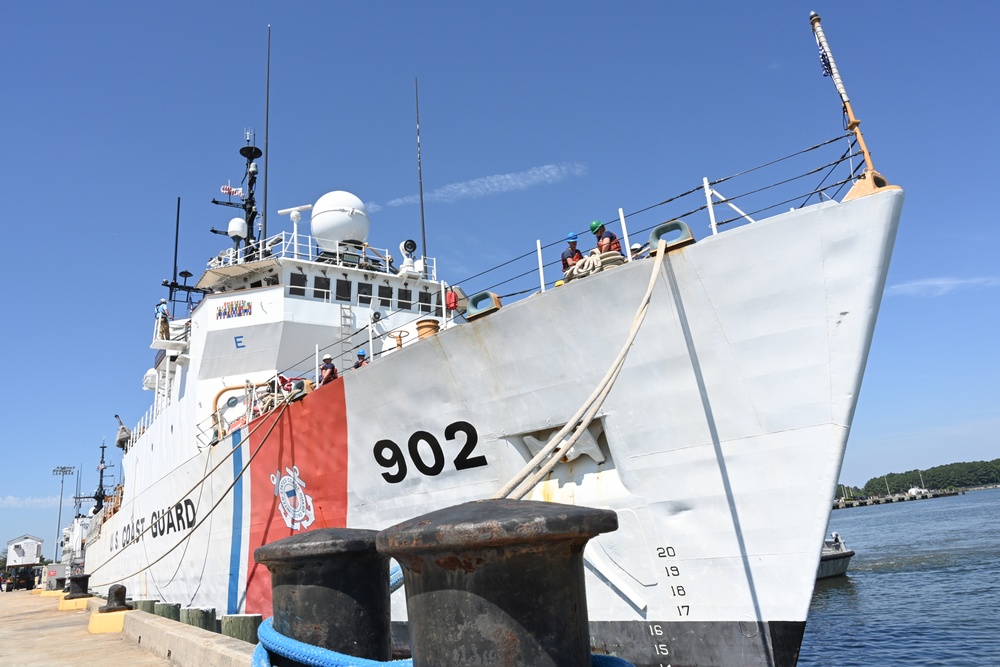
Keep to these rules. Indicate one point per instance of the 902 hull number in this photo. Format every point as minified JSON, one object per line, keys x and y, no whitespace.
{"x":428,"y":459}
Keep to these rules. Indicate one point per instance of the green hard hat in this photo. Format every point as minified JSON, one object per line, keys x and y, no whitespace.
{"x":595,"y":225}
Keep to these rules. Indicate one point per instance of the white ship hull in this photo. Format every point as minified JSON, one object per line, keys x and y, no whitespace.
{"x":719,"y":445}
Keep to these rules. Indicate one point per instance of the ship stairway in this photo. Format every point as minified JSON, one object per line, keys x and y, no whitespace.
{"x":346,"y":329}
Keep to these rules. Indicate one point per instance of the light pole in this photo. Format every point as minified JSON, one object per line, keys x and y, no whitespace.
{"x":61,"y":471}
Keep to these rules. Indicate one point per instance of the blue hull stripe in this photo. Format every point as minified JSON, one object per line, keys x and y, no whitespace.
{"x":235,"y":559}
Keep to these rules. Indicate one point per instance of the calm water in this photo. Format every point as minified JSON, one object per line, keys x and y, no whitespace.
{"x":923,"y":589}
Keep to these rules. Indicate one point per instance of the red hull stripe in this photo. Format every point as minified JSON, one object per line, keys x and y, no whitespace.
{"x":298,"y":481}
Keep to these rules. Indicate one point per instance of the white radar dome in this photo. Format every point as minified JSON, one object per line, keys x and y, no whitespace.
{"x":237,"y":228}
{"x":339,"y":216}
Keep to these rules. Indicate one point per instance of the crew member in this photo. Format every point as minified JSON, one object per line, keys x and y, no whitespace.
{"x":327,"y":372}
{"x":571,"y":255}
{"x":163,"y":319}
{"x":607,"y":241}
{"x":362,"y":360}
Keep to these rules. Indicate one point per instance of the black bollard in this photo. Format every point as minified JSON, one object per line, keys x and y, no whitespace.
{"x":78,"y":586}
{"x":116,"y":600}
{"x":497,"y":582}
{"x":330,"y":588}
{"x":60,"y":584}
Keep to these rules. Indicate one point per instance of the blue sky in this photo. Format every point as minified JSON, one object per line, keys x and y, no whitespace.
{"x":535,"y":119}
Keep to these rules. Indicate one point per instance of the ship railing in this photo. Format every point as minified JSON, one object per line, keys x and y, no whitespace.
{"x":822,"y":172}
{"x":258,"y":398}
{"x":205,"y":433}
{"x":94,"y":527}
{"x":140,"y":428}
{"x":180,"y":332}
{"x":113,"y":503}
{"x":162,"y":387}
{"x":291,"y":245}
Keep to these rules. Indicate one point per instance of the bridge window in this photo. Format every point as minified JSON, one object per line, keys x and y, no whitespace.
{"x":297,"y":284}
{"x":364,"y":294}
{"x":424,"y":298}
{"x":385,"y":296}
{"x":321,"y":287}
{"x":343,"y":290}
{"x":404,"y":299}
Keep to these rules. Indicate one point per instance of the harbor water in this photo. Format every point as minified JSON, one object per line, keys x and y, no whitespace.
{"x":923,"y":588}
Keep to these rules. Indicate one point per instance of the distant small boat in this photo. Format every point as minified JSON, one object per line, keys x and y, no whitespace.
{"x":835,"y":559}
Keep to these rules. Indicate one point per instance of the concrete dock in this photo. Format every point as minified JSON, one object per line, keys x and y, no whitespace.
{"x":34,"y":632}
{"x":884,"y":500}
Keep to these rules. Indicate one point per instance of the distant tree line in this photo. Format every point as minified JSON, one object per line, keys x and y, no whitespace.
{"x":950,"y":476}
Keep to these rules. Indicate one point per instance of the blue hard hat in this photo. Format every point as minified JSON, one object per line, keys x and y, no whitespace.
{"x":571,"y":237}
{"x":361,"y":353}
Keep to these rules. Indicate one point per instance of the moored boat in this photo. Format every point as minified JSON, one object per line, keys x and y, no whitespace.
{"x":835,"y":559}
{"x":710,"y":409}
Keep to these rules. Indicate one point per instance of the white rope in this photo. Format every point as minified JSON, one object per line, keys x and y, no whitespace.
{"x":594,"y":262}
{"x":521,"y":483}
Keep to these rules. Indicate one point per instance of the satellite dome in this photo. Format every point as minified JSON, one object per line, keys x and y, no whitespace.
{"x":237,"y":228}
{"x":339,"y":216}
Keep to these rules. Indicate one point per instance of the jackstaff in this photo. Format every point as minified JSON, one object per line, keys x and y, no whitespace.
{"x":830,"y":69}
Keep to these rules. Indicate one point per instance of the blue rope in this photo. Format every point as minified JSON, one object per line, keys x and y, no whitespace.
{"x":395,"y":578}
{"x":598,"y":660}
{"x":313,"y":656}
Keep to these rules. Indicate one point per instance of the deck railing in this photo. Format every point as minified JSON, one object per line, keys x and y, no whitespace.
{"x":290,"y":245}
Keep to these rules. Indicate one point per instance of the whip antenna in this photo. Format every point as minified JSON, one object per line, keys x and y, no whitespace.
{"x":177,"y":236}
{"x":267,"y":107}
{"x":420,"y":179}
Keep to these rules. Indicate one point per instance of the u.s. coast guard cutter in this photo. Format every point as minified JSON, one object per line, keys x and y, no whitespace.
{"x":710,"y":410}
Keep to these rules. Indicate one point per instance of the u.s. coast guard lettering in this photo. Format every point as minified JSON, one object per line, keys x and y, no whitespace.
{"x":428,"y":460}
{"x":295,"y":505}
{"x":180,"y":516}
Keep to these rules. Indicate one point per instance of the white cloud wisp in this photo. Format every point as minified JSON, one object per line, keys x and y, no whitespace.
{"x":932,"y":287}
{"x":497,"y":184}
{"x":32,"y":503}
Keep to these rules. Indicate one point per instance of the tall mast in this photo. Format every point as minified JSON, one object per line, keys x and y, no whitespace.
{"x":420,"y":178}
{"x":249,"y":201}
{"x":267,"y":108}
{"x":100,"y":492}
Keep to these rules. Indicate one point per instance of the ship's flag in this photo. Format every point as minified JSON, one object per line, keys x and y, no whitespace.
{"x":234,"y":192}
{"x":824,"y":59}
